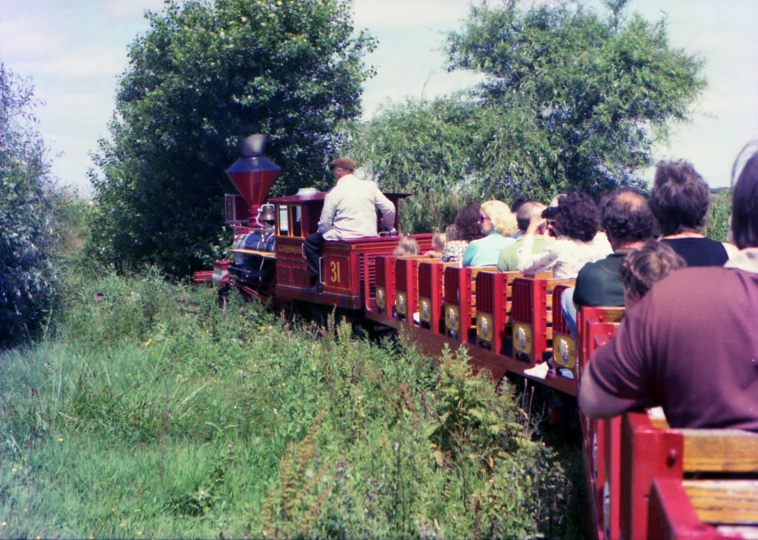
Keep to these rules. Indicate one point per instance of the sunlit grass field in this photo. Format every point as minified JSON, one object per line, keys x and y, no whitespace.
{"x":148,"y":411}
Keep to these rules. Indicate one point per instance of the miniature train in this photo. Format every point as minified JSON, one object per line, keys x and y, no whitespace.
{"x":638,"y":471}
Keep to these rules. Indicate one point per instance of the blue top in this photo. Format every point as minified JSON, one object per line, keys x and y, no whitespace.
{"x":486,"y":251}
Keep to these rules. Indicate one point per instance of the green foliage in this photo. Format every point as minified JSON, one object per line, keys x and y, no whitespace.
{"x":717,"y":224}
{"x":28,"y":273}
{"x":569,"y":99}
{"x":204,"y":76}
{"x":155,"y":413}
{"x":73,"y":218}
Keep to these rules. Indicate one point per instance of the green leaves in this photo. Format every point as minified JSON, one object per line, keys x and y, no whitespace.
{"x":568,"y":99}
{"x":28,"y":241}
{"x":204,"y":76}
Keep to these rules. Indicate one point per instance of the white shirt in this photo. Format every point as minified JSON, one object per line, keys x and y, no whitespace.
{"x":350,"y":210}
{"x":564,"y":256}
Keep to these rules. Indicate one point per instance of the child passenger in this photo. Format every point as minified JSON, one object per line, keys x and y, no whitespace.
{"x":407,"y":246}
{"x":645,"y":266}
{"x":438,"y":245}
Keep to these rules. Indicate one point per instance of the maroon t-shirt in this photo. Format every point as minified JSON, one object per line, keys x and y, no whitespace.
{"x":691,"y":346}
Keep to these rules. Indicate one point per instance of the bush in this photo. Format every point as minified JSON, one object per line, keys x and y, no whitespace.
{"x":28,"y":272}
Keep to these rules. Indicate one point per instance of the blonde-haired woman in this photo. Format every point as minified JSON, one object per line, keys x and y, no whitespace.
{"x":498,"y":225}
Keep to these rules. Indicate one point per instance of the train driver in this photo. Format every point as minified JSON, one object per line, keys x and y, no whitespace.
{"x":691,"y":344}
{"x":349,"y":212}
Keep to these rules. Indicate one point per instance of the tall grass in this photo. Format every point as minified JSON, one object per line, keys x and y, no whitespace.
{"x":150,"y":412}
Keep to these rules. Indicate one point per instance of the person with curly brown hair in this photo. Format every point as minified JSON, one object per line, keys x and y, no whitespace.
{"x":574,"y":224}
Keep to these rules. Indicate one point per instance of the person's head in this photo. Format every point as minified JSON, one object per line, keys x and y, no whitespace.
{"x":525,"y":213}
{"x":438,"y":242}
{"x":341,"y":167}
{"x":451,"y":233}
{"x":645,"y":266}
{"x":576,"y":217}
{"x":680,"y":198}
{"x":496,"y":216}
{"x":744,"y":221}
{"x":517,"y":203}
{"x":467,"y":222}
{"x":407,"y":246}
{"x":627,"y":218}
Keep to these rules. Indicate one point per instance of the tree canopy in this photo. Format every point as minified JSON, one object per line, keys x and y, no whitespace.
{"x":569,"y":98}
{"x":205,"y":75}
{"x":28,"y":274}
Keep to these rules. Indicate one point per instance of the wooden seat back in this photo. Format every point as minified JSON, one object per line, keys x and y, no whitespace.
{"x":678,"y":483}
{"x":431,"y":274}
{"x":532,"y":316}
{"x":459,"y":303}
{"x":384,"y":269}
{"x":493,"y":308}
{"x":406,"y":286}
{"x":564,"y":344}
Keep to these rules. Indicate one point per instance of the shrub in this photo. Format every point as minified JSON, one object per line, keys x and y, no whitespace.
{"x":28,"y":271}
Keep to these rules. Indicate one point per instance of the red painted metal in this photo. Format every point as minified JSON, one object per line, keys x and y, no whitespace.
{"x":203,"y":276}
{"x":385,"y":284}
{"x":493,"y":305}
{"x":564,"y":344}
{"x":253,"y":178}
{"x":457,"y":306}
{"x":406,"y":288}
{"x":647,"y":453}
{"x":529,"y":319}
{"x":430,"y":289}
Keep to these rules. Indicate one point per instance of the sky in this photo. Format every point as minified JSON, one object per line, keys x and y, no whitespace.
{"x":73,"y":51}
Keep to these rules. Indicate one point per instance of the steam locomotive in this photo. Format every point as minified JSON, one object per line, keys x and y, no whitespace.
{"x":638,"y":471}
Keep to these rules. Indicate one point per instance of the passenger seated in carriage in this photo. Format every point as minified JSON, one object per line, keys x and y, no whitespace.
{"x":680,"y":199}
{"x":690,"y":345}
{"x":438,"y":245}
{"x":508,"y":259}
{"x":497,"y":223}
{"x":644,"y":267}
{"x":628,"y":222}
{"x":466,"y":230}
{"x":574,"y":224}
{"x":407,"y":246}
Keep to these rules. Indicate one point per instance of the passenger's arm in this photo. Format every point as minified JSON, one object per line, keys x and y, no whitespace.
{"x":597,"y":403}
{"x":618,"y":376}
{"x":533,"y":263}
{"x":326,"y":221}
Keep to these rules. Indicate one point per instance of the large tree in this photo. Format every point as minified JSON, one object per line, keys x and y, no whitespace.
{"x":570,"y":98}
{"x":203,"y":76}
{"x":28,"y":274}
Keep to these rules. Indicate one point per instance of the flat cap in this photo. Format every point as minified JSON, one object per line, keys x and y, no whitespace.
{"x":343,"y":163}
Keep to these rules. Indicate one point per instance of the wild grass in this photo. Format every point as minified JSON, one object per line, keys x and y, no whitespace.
{"x":151,"y":412}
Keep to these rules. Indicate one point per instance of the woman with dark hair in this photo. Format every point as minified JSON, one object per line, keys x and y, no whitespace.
{"x":574,"y":223}
{"x":466,"y":229}
{"x":680,"y":200}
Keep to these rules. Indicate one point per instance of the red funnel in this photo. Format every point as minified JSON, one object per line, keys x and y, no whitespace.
{"x":253,"y":178}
